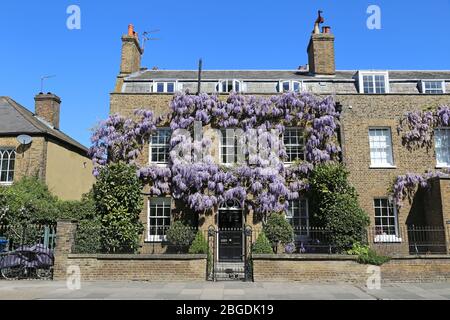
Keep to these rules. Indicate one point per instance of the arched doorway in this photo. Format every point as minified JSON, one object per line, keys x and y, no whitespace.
{"x":230,"y":235}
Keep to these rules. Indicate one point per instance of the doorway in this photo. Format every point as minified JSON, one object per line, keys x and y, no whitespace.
{"x":231,"y":233}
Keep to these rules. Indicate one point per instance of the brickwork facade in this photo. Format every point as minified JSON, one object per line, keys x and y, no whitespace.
{"x":403,"y":92}
{"x":30,"y":160}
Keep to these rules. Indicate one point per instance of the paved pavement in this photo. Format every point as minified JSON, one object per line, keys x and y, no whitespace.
{"x":35,"y":290}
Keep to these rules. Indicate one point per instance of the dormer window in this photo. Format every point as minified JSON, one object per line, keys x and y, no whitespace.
{"x":433,"y":87}
{"x":376,"y":82}
{"x":225,"y":86}
{"x":290,"y":85}
{"x":166,"y":87}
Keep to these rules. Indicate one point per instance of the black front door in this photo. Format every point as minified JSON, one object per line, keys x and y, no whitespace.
{"x":230,"y":235}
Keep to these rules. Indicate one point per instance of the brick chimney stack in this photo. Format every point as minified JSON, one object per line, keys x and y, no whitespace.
{"x":321,"y":56}
{"x":48,"y":107}
{"x":131,"y":52}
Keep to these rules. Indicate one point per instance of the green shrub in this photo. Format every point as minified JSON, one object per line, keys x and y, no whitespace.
{"x":262,"y":245}
{"x":118,"y":202}
{"x":199,"y":245}
{"x":366,"y":255}
{"x":359,"y":249}
{"x":88,"y":237}
{"x":278,"y":230}
{"x":180,"y":235}
{"x":335,"y":207}
{"x":29,"y":201}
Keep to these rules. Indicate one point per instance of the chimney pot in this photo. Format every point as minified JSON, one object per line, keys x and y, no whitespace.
{"x":131,"y":30}
{"x":326,"y":29}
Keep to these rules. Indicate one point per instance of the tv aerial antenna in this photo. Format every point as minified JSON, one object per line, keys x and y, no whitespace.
{"x":43,"y":78}
{"x":147,"y":36}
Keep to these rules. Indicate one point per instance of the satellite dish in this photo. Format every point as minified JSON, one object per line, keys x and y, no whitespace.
{"x":24,"y":139}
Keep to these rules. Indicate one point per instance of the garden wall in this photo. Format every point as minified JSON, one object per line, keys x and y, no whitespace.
{"x":123,"y":267}
{"x":138,"y":267}
{"x":345,"y":269}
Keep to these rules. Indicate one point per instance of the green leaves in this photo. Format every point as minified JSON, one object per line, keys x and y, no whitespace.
{"x":366,"y":255}
{"x":199,"y":245}
{"x":262,"y":245}
{"x":278,"y":230}
{"x":335,"y":207}
{"x":180,"y":235}
{"x":118,"y":202}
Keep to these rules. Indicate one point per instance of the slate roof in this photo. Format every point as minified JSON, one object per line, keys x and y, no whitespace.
{"x":16,"y":119}
{"x":277,"y":75}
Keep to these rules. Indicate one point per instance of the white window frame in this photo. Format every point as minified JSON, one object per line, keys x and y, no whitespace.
{"x":177,"y":86}
{"x":442,"y":164}
{"x":151,"y":146}
{"x":302,"y":145}
{"x":242,"y":85}
{"x":290,"y":218}
{"x":6,"y":153}
{"x":223,"y":133}
{"x":362,"y":74}
{"x":389,"y":144}
{"x":164,"y":203}
{"x":423,"y":88}
{"x":390,"y":238}
{"x":291,"y":85}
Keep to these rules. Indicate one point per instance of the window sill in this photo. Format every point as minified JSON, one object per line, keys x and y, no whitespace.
{"x":387,"y":239}
{"x":156,"y":240}
{"x":442,"y":167}
{"x":6,"y":184}
{"x":383,"y":167}
{"x":161,"y":165}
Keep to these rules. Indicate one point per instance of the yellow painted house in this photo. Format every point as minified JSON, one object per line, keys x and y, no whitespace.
{"x":32,"y":144}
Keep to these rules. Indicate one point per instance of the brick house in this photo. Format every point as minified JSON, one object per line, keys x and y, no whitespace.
{"x":50,"y":154}
{"x":372,"y":102}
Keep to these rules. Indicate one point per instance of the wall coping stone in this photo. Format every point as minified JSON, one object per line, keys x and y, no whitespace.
{"x":313,"y":257}
{"x":138,"y":256}
{"x":67,"y":221}
{"x":340,"y":257}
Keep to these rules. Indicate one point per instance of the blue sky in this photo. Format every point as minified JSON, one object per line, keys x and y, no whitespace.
{"x":228,"y":34}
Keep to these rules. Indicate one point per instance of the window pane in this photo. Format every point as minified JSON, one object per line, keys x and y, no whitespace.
{"x":294,"y":144}
{"x":237,"y":86}
{"x":368,"y":84}
{"x":380,"y":147}
{"x":160,"y":146}
{"x":296,"y":86}
{"x":379,"y":84}
{"x":297,"y":216}
{"x":159,"y":217}
{"x":170,"y":87}
{"x":7,"y":163}
{"x":160,"y":87}
{"x":229,"y":146}
{"x":442,"y":146}
{"x":286,"y":86}
{"x":433,"y":87}
{"x":385,"y":217}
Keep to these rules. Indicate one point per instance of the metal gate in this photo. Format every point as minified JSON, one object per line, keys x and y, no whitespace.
{"x":231,"y":254}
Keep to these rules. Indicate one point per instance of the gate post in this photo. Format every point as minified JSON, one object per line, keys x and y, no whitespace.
{"x":248,"y":263}
{"x":65,"y":240}
{"x":212,"y":249}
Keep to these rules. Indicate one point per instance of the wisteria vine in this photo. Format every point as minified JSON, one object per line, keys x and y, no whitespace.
{"x":262,"y":184}
{"x":417,"y":129}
